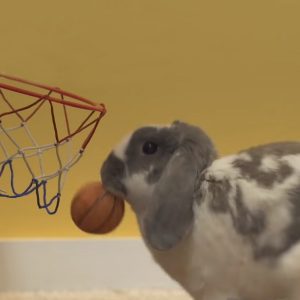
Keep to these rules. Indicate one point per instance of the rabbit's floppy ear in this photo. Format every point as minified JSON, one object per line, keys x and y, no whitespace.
{"x":169,"y":214}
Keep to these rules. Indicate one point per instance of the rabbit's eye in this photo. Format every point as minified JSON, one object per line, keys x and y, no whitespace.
{"x":149,"y":148}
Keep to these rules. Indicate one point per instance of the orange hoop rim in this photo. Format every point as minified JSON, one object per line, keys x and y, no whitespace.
{"x":82,"y":104}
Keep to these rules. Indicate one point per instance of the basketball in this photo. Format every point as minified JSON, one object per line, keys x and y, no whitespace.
{"x":95,"y":210}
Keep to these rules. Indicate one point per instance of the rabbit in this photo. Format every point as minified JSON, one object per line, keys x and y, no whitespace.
{"x":224,"y":228}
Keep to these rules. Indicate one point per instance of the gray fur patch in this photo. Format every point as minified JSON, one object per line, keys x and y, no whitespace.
{"x":170,"y":216}
{"x":219,"y":192}
{"x":137,"y":161}
{"x":198,"y":195}
{"x":251,"y":168}
{"x":279,"y":149}
{"x":266,"y":252}
{"x":154,"y":175}
{"x":247,"y":222}
{"x":168,"y":139}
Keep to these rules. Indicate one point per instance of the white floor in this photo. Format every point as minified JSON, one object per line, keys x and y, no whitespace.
{"x":112,"y":269}
{"x":79,"y":265}
{"x":98,"y":295}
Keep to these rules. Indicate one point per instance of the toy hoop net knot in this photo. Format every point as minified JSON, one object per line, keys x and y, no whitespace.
{"x":21,"y":102}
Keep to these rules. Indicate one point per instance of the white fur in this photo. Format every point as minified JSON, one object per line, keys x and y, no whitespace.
{"x":269,"y":163}
{"x":223,"y":169}
{"x":244,"y":156}
{"x":290,"y":266}
{"x":293,"y":161}
{"x":137,"y":189}
{"x":120,"y":150}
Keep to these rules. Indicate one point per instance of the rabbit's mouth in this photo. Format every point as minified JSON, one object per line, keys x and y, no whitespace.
{"x":114,"y":186}
{"x":118,"y":189}
{"x":112,"y":173}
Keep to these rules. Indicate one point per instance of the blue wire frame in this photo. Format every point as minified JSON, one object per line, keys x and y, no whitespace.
{"x":39,"y":187}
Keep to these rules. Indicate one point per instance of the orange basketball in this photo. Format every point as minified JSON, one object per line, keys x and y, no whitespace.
{"x":94,"y":210}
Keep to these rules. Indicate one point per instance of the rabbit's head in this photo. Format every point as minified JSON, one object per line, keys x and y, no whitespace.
{"x":155,"y":169}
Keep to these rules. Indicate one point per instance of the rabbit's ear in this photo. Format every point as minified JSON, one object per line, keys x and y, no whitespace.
{"x":169,"y":215}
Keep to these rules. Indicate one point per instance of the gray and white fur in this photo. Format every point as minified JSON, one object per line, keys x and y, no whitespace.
{"x":224,"y":228}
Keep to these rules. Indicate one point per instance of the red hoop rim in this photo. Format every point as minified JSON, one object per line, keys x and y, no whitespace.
{"x":85,"y":103}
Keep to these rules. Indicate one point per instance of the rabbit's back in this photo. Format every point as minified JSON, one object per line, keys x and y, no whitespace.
{"x":245,"y":241}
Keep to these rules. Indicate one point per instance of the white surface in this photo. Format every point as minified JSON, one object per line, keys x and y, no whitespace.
{"x":99,"y":295}
{"x":79,"y":265}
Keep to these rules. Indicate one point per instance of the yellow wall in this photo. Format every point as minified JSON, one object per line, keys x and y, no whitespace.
{"x":232,"y":67}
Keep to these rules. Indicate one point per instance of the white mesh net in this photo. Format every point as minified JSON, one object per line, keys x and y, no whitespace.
{"x":35,"y":151}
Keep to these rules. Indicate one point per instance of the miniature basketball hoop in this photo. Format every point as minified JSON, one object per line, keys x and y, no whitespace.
{"x":58,"y":136}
